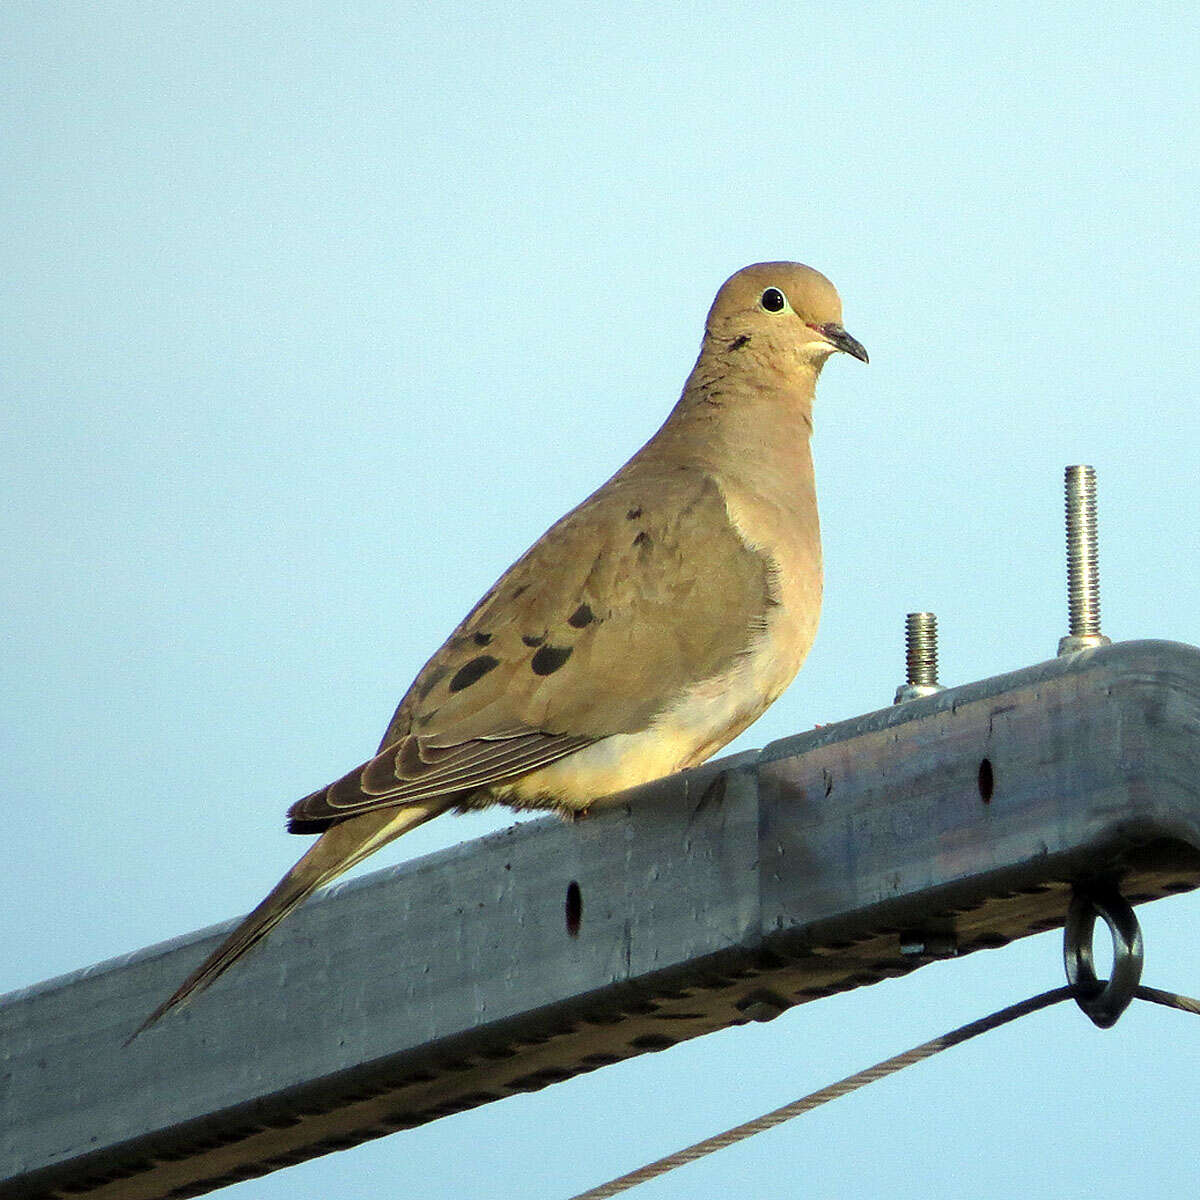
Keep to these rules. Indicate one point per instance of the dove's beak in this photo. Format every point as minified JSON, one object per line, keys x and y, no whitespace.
{"x":837,"y":337}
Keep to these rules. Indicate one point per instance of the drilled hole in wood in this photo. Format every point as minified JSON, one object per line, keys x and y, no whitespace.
{"x":574,"y":908}
{"x":987,"y":781}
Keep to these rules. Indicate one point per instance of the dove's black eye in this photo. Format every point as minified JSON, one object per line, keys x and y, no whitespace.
{"x":773,"y":300}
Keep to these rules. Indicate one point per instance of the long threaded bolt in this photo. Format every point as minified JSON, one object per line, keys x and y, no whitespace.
{"x":1083,"y":563}
{"x":921,"y":657}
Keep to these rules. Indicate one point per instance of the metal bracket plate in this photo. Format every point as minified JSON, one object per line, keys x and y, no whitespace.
{"x":827,"y":861}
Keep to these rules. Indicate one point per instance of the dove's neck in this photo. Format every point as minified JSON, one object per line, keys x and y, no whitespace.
{"x":752,"y":427}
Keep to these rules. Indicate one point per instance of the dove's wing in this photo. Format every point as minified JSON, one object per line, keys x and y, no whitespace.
{"x":641,"y":592}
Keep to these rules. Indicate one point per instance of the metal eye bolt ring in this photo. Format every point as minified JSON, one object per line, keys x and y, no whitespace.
{"x":1102,"y":1001}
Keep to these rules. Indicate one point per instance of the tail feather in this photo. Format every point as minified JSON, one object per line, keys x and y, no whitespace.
{"x":336,"y":850}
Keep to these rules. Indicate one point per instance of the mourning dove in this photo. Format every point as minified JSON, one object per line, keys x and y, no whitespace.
{"x":638,"y":635}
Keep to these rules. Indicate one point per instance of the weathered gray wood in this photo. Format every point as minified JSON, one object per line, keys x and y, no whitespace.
{"x":826,"y":861}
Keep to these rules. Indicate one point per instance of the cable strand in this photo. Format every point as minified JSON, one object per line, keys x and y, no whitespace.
{"x":851,"y":1083}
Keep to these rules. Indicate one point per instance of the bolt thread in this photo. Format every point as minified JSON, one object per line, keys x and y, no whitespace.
{"x":1083,"y":564}
{"x":921,"y":649}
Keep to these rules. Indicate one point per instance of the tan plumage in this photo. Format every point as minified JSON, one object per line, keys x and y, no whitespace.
{"x":639,"y":634}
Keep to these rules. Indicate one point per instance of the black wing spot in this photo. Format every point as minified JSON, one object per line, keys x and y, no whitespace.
{"x":634,"y":513}
{"x":520,"y":590}
{"x":642,"y":539}
{"x":482,"y":639}
{"x":533,"y":639}
{"x":475,"y":670}
{"x":739,"y":342}
{"x":549,"y":658}
{"x":582,"y":616}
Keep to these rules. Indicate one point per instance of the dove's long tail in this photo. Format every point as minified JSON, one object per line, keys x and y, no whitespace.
{"x":336,"y":850}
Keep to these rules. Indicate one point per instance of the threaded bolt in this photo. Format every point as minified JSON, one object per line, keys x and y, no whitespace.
{"x":1083,"y":563}
{"x":921,"y":657}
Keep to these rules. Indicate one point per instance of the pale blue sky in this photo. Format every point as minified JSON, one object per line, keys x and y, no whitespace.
{"x":316,"y":315}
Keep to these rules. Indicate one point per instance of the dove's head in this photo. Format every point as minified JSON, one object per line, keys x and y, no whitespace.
{"x":787,"y":310}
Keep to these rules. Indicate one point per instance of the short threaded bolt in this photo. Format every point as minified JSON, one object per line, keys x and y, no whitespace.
{"x":921,"y":657}
{"x":1083,"y":563}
